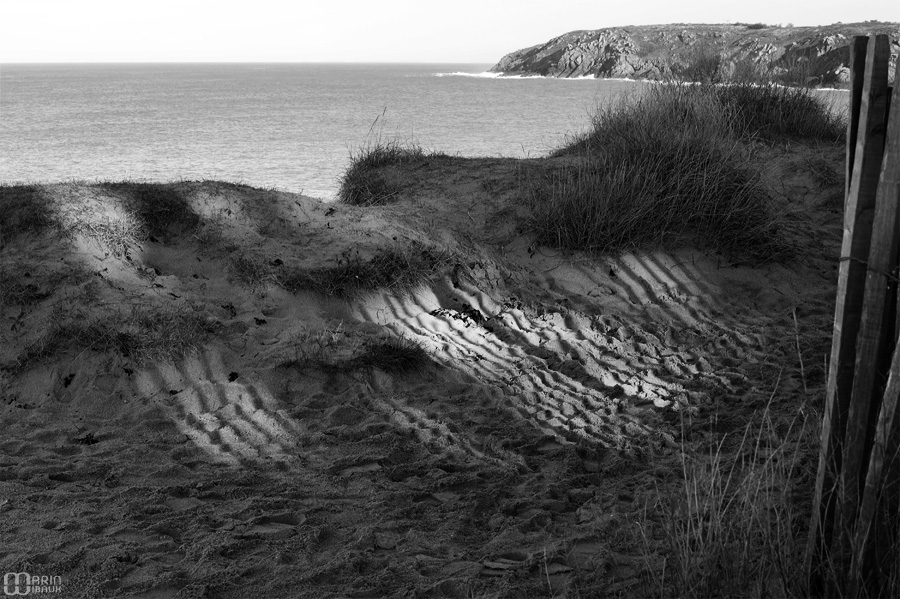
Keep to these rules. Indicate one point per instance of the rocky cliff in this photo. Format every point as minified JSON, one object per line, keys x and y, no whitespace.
{"x":817,"y":54}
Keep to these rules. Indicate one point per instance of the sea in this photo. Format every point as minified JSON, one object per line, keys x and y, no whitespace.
{"x":292,"y":127}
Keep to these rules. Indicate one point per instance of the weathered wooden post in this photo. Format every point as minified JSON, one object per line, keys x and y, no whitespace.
{"x":857,"y":76}
{"x":860,"y":412}
{"x":875,"y":345}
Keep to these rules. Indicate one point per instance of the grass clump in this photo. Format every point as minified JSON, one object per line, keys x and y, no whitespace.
{"x":773,"y":111}
{"x":252,"y":270}
{"x":393,"y":355}
{"x":142,"y":333}
{"x":118,"y":235}
{"x":735,"y":525}
{"x":398,"y":268}
{"x":365,"y":182}
{"x":654,"y":169}
{"x":24,"y":209}
{"x":675,"y":164}
{"x":334,"y":350}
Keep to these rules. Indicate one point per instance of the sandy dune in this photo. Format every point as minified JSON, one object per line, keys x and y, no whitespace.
{"x":273,"y":461}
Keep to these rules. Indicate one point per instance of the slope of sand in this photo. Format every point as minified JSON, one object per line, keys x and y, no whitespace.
{"x":269,"y":462}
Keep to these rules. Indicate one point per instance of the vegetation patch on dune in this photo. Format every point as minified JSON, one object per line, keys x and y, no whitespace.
{"x":135,"y":212}
{"x":759,"y":104}
{"x":117,"y":233}
{"x":28,"y":283}
{"x":336,"y":350}
{"x":775,"y":111}
{"x":673,"y":164}
{"x":365,"y":182}
{"x":398,"y":268}
{"x":393,"y":354}
{"x":144,"y":333}
{"x":24,"y":209}
{"x":654,"y":169}
{"x":730,"y":526}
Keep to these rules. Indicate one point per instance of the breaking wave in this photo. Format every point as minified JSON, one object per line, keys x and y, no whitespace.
{"x":484,"y":75}
{"x":490,"y":75}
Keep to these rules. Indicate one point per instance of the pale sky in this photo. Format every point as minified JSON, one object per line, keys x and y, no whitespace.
{"x":473,"y":31}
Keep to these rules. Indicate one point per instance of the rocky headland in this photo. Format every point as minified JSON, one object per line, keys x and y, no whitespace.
{"x":818,"y":54}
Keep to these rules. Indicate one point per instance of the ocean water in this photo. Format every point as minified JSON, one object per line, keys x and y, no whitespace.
{"x":289,"y":126}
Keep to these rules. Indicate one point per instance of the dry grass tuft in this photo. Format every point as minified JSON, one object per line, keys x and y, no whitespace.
{"x":118,"y":235}
{"x":759,"y":102}
{"x":334,"y":350}
{"x":658,"y":168}
{"x":674,"y":165}
{"x":735,"y":527}
{"x":394,"y":355}
{"x":772,"y":111}
{"x":365,"y":182}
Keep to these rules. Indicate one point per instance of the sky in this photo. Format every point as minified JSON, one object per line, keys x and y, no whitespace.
{"x":459,"y":31}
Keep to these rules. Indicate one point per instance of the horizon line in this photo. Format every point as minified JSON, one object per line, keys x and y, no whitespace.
{"x":152,"y":62}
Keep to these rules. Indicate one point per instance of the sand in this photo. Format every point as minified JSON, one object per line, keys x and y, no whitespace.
{"x":518,"y":461}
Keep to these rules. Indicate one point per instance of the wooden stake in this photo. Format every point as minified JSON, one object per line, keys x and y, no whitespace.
{"x":875,"y":341}
{"x":887,"y":429}
{"x":857,"y":71}
{"x":858,"y":215}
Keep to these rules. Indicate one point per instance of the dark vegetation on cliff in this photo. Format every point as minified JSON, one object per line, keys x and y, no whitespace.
{"x":791,"y":55}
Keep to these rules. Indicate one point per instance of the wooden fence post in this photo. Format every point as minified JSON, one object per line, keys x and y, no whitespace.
{"x":872,"y":339}
{"x":876,"y":341}
{"x":858,"y":220}
{"x":877,"y":488}
{"x":857,"y":72}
